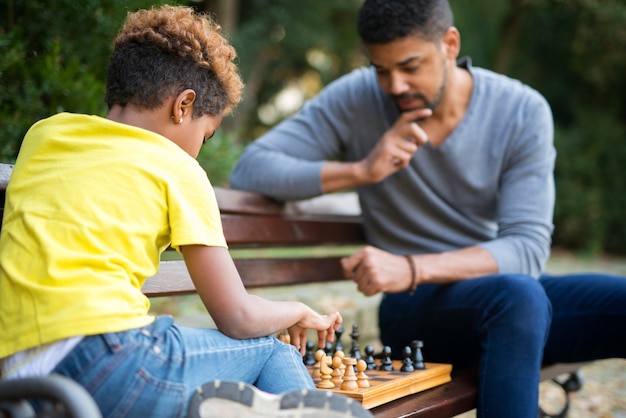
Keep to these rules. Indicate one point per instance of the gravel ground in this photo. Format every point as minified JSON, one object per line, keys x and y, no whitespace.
{"x":603,"y":394}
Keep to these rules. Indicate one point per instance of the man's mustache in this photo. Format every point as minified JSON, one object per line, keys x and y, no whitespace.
{"x":408,"y":96}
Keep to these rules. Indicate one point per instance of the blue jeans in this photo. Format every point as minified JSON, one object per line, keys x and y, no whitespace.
{"x":508,"y":326}
{"x":153,"y":371}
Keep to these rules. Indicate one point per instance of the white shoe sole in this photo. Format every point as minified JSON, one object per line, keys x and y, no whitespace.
{"x":224,"y":399}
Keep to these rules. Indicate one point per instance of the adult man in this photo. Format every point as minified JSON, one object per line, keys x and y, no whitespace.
{"x":453,"y":166}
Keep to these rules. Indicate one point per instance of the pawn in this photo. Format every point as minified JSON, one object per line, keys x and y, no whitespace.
{"x":369,"y":357}
{"x":325,"y":374}
{"x":349,"y":376}
{"x":417,"y":357}
{"x":387,"y":363}
{"x":338,"y":371}
{"x":318,"y":362}
{"x":309,"y":355}
{"x":407,"y":362}
{"x":328,"y":348}
{"x":362,"y":379}
{"x":284,"y":337}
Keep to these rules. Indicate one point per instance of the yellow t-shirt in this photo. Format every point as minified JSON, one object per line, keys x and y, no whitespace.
{"x":90,"y":206}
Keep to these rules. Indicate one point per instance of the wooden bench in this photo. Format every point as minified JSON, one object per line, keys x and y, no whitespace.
{"x":253,"y":221}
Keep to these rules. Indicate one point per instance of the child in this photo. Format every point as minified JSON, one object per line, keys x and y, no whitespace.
{"x":91,"y":205}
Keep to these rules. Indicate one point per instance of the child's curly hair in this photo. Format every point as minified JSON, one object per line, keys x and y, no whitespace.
{"x":160,"y":52}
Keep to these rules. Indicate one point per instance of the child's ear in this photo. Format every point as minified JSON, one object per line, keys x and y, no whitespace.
{"x":183,"y":104}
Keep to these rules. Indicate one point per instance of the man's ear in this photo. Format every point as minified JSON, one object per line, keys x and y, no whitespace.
{"x":451,"y":41}
{"x":183,"y":104}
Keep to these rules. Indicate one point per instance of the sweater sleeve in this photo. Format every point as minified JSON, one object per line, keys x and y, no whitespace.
{"x":286,"y":162}
{"x":527,"y":193}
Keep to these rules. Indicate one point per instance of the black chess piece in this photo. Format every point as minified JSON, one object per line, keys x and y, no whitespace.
{"x":369,"y":357}
{"x":309,"y":355}
{"x":386,"y":364}
{"x":338,"y":344}
{"x":328,"y":349}
{"x":407,"y":361}
{"x":417,"y":357}
{"x":355,"y":350}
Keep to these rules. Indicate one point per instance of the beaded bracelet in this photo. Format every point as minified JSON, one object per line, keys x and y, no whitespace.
{"x":411,"y":289}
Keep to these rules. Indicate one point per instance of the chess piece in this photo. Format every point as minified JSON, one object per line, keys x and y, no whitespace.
{"x":407,"y":361}
{"x":417,"y":357}
{"x":338,"y":344}
{"x":341,"y":355}
{"x":284,"y":337}
{"x":309,"y":355}
{"x":355,"y":350}
{"x":337,"y":375}
{"x":362,"y":379}
{"x":386,"y":364}
{"x":349,"y":376}
{"x":325,"y":374}
{"x":318,"y":362}
{"x":328,"y":348}
{"x":369,"y":357}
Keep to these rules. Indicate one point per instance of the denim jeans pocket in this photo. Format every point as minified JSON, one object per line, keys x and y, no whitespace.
{"x":130,"y":373}
{"x":143,"y":394}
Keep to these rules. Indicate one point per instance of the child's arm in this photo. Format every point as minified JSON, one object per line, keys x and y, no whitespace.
{"x":241,"y":315}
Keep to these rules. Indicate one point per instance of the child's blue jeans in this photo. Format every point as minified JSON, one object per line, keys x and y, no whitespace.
{"x":153,"y":371}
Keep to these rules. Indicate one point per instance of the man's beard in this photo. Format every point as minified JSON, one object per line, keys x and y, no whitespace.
{"x":428,"y":104}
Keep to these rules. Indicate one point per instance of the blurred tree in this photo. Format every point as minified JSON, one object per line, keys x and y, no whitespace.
{"x":54,"y":56}
{"x":282,"y":43}
{"x":572,"y":51}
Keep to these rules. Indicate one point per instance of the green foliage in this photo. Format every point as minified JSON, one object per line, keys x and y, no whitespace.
{"x":55,"y":56}
{"x":218,"y":157}
{"x":278,"y":42}
{"x":572,"y":52}
{"x":591,"y":183}
{"x":55,"y":53}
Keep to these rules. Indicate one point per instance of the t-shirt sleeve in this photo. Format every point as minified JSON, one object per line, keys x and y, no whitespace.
{"x":194,"y":216}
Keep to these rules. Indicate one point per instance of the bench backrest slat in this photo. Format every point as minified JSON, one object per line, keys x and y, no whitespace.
{"x":251,"y":230}
{"x":173,"y":278}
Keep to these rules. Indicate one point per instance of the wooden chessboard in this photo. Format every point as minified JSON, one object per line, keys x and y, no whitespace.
{"x":388,"y":386}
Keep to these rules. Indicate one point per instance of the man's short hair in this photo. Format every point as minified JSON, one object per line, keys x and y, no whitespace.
{"x":383,"y":21}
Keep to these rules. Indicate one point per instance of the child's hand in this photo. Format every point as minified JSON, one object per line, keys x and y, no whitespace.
{"x":326,"y":325}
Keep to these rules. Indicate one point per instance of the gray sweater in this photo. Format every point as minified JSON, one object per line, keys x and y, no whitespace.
{"x":489,"y":184}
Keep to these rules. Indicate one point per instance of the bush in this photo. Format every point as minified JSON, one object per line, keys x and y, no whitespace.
{"x":591,"y":183}
{"x":218,"y":157}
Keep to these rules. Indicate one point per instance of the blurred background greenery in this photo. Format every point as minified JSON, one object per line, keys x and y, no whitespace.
{"x":54,"y":57}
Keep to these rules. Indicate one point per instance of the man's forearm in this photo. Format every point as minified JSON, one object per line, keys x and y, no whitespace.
{"x":337,"y":176}
{"x":454,"y":266}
